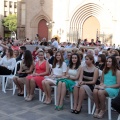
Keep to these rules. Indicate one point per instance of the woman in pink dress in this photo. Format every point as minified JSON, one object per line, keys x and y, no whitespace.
{"x":41,"y":70}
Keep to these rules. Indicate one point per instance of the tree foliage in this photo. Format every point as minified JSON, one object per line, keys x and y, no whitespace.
{"x":10,"y":22}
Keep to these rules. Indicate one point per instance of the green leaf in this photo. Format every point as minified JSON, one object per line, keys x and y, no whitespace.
{"x":10,"y":22}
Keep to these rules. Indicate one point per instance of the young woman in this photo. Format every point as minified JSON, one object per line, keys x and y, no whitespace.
{"x":26,"y":68}
{"x":59,"y":69}
{"x":49,"y":56}
{"x":7,"y":63}
{"x":87,"y":80}
{"x":100,"y":64}
{"x":68,"y":81}
{"x":41,"y":69}
{"x":109,"y":86}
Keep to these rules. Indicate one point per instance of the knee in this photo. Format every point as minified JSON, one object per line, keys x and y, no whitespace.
{"x":32,"y":80}
{"x":60,"y":83}
{"x":63,"y":84}
{"x":43,"y":82}
{"x":95,"y":91}
{"x":100,"y":92}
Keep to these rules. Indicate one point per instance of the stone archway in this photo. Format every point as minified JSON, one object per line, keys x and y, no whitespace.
{"x":84,"y":12}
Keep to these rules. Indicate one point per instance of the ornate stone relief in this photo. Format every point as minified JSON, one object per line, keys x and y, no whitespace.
{"x":42,"y":2}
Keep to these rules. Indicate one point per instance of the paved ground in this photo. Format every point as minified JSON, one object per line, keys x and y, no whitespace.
{"x":15,"y":108}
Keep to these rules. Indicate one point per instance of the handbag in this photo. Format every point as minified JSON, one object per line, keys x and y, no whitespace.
{"x":21,"y":74}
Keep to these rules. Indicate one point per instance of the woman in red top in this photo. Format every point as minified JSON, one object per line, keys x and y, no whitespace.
{"x":41,"y":70}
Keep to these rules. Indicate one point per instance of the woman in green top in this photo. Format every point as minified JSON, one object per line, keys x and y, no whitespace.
{"x":67,"y":82}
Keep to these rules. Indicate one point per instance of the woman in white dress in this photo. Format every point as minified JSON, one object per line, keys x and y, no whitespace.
{"x":59,"y":69}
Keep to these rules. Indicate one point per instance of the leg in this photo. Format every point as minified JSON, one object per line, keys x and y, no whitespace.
{"x":81,"y":98}
{"x":21,"y":83}
{"x":97,"y":102}
{"x":102,"y":97}
{"x":28,"y":87}
{"x":63,"y":93}
{"x":48,"y":88}
{"x":45,"y":90}
{"x":75,"y":94}
{"x":15,"y":79}
{"x":32,"y":86}
{"x":59,"y":92}
{"x":96,"y":98}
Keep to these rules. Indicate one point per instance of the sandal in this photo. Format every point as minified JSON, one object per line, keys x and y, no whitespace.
{"x":101,"y":114}
{"x":96,"y":113}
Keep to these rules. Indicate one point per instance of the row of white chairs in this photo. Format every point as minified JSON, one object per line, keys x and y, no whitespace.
{"x":5,"y":79}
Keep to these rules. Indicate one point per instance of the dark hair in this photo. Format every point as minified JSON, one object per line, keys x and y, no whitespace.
{"x":114,"y":66}
{"x":50,"y":52}
{"x":28,"y":60}
{"x":10,"y":51}
{"x":103,"y":58}
{"x":55,"y":60}
{"x":78,"y":61}
{"x":91,"y":57}
{"x":23,"y":48}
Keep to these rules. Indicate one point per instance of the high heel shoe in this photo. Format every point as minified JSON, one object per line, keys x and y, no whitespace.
{"x":96,"y":113}
{"x":72,"y":111}
{"x":101,"y":114}
{"x":31,"y":97}
{"x":60,"y":108}
{"x":56,"y":107}
{"x":77,"y":112}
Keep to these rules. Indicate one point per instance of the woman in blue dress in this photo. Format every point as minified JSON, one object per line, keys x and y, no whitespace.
{"x":109,"y":86}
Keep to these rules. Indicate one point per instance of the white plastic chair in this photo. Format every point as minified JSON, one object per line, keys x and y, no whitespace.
{"x":109,"y":107}
{"x":14,"y":86}
{"x":4,"y":84}
{"x":118,"y":117}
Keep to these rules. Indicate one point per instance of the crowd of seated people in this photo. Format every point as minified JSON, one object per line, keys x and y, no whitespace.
{"x":94,"y":73}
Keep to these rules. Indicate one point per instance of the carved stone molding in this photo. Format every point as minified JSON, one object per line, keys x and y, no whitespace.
{"x":42,"y":2}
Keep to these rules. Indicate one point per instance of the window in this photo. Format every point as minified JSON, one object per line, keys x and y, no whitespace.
{"x":10,"y":4}
{"x":5,"y":3}
{"x":5,"y":13}
{"x":15,"y":4}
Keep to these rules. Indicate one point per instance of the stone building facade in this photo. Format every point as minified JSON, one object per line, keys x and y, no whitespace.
{"x":69,"y":19}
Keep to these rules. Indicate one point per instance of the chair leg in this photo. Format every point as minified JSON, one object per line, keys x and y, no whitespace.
{"x":24,"y":90}
{"x":40,"y":94}
{"x":118,"y":117}
{"x":43,"y":97}
{"x":109,"y":108}
{"x":71,"y":100}
{"x":55,"y":95}
{"x":89,"y":106}
{"x":3,"y":84}
{"x":14,"y":88}
{"x":93,"y":109}
{"x":6,"y":83}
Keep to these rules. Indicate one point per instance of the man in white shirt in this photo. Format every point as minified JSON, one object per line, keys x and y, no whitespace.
{"x":55,"y":42}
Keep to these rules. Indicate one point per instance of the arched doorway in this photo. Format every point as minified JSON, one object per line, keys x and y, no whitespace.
{"x":42,"y":29}
{"x":91,"y":28}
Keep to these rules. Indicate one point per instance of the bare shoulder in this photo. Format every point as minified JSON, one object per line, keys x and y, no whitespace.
{"x":118,"y":72}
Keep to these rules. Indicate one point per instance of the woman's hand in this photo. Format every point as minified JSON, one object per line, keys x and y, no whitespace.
{"x":19,"y":72}
{"x":35,"y":74}
{"x":80,"y":83}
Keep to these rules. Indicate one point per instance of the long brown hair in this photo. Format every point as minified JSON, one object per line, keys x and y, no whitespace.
{"x":55,"y":60}
{"x":114,"y":66}
{"x":28,"y":60}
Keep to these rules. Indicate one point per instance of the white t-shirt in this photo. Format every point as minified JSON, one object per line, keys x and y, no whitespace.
{"x":55,"y":44}
{"x":58,"y":71}
{"x":9,"y":63}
